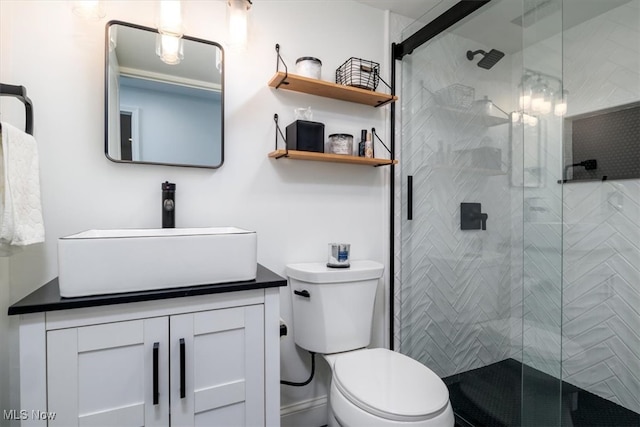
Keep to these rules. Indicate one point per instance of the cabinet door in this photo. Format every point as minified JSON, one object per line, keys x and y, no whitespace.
{"x":217,"y":367}
{"x":106,"y":374}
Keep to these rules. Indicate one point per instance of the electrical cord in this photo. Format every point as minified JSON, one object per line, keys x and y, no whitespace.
{"x":313,"y":370}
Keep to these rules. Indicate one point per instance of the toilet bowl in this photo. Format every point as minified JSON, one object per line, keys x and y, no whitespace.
{"x":332,"y":316}
{"x":379,"y":388}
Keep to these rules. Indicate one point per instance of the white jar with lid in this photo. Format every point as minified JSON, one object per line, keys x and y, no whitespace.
{"x":309,"y":66}
{"x":341,"y":143}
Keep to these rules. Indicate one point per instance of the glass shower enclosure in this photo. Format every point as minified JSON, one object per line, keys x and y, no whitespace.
{"x":517,"y":273}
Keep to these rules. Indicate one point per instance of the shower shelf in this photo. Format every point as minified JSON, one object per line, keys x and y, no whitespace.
{"x":477,"y":171}
{"x":471,"y":116}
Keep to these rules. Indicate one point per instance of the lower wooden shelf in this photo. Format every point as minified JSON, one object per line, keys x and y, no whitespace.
{"x":326,"y":157}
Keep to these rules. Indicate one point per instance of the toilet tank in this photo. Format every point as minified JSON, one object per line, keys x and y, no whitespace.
{"x":333,"y":307}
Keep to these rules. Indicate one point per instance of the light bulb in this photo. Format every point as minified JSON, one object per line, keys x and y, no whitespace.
{"x":560,"y":109}
{"x":219,"y":60}
{"x":545,"y":106}
{"x":238,"y":22}
{"x":537,"y":97}
{"x":561,"y":106}
{"x":515,"y":117}
{"x":113,"y":38}
{"x":525,"y":101}
{"x":536,"y":102}
{"x":89,"y":9}
{"x":170,"y":17}
{"x":169,"y":48}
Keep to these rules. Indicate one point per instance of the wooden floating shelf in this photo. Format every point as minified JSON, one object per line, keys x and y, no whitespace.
{"x":326,"y":157}
{"x":326,"y":89}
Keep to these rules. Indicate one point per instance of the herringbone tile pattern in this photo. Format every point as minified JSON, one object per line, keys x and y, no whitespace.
{"x":601,"y":294}
{"x":555,"y":280}
{"x":455,"y":288}
{"x":601,"y":244}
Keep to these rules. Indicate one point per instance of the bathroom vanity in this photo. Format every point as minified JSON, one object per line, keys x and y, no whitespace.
{"x":201,"y":355}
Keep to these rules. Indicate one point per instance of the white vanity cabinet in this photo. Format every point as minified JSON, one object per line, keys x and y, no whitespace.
{"x":204,"y":368}
{"x":103,"y":374}
{"x":217,"y":369}
{"x":206,"y":360}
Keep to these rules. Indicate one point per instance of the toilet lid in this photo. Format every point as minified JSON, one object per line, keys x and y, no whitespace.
{"x":390,"y":385}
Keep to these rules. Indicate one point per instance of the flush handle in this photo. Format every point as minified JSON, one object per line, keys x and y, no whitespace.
{"x":304,"y":293}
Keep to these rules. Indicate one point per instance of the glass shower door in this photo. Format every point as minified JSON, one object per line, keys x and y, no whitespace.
{"x":480,"y":294}
{"x":540,"y":172}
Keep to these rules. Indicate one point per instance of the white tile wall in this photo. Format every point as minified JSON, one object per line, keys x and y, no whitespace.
{"x":601,"y":279}
{"x":574,"y":265}
{"x":455,"y":285}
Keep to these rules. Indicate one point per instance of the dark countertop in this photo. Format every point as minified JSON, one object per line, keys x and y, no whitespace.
{"x":47,"y":297}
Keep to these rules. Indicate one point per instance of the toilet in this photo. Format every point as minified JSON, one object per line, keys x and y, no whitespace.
{"x":332,"y":316}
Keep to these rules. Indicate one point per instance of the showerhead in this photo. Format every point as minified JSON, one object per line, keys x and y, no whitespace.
{"x":490,"y":59}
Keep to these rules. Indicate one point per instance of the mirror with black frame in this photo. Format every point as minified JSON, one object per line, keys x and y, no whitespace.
{"x":165,"y":110}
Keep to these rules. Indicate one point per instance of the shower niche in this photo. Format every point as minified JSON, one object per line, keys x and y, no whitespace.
{"x":603,"y":145}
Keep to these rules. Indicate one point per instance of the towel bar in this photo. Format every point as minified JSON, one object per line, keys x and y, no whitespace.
{"x":20,"y":92}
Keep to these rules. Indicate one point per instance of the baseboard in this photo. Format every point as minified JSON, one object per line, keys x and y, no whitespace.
{"x":308,"y":413}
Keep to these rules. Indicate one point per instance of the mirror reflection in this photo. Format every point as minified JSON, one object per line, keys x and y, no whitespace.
{"x":159,"y":110}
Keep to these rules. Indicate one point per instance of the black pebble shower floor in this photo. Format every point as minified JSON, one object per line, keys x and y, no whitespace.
{"x":491,"y":397}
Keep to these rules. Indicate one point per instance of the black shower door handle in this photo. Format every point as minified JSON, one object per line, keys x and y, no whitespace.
{"x":409,"y":197}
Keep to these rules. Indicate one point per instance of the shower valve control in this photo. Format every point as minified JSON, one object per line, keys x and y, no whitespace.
{"x":471,"y":217}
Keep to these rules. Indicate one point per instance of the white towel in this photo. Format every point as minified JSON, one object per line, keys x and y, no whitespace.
{"x":21,"y":221}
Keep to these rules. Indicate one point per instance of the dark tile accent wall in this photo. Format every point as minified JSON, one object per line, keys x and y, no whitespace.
{"x":612,"y":138}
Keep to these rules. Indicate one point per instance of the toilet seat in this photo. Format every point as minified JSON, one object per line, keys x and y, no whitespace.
{"x":389,"y":385}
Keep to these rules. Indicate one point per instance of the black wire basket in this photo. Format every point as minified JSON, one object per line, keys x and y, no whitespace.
{"x":359,"y":73}
{"x":456,"y":96}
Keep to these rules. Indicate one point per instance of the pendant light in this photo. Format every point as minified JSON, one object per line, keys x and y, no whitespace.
{"x":169,"y":43}
{"x":237,"y":14}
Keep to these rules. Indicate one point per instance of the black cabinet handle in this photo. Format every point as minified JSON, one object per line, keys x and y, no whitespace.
{"x":410,"y":197}
{"x":303,"y":293}
{"x":156,"y":393}
{"x":183,"y":391}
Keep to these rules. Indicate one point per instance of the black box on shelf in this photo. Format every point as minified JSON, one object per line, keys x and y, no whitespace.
{"x":304,"y":135}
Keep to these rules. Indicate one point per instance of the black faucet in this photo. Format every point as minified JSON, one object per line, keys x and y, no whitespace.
{"x":168,"y":205}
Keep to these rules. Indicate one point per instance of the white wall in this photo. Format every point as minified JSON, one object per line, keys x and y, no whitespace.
{"x":295,"y":207}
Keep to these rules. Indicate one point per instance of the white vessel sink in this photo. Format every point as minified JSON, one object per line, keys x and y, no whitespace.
{"x":97,"y":262}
